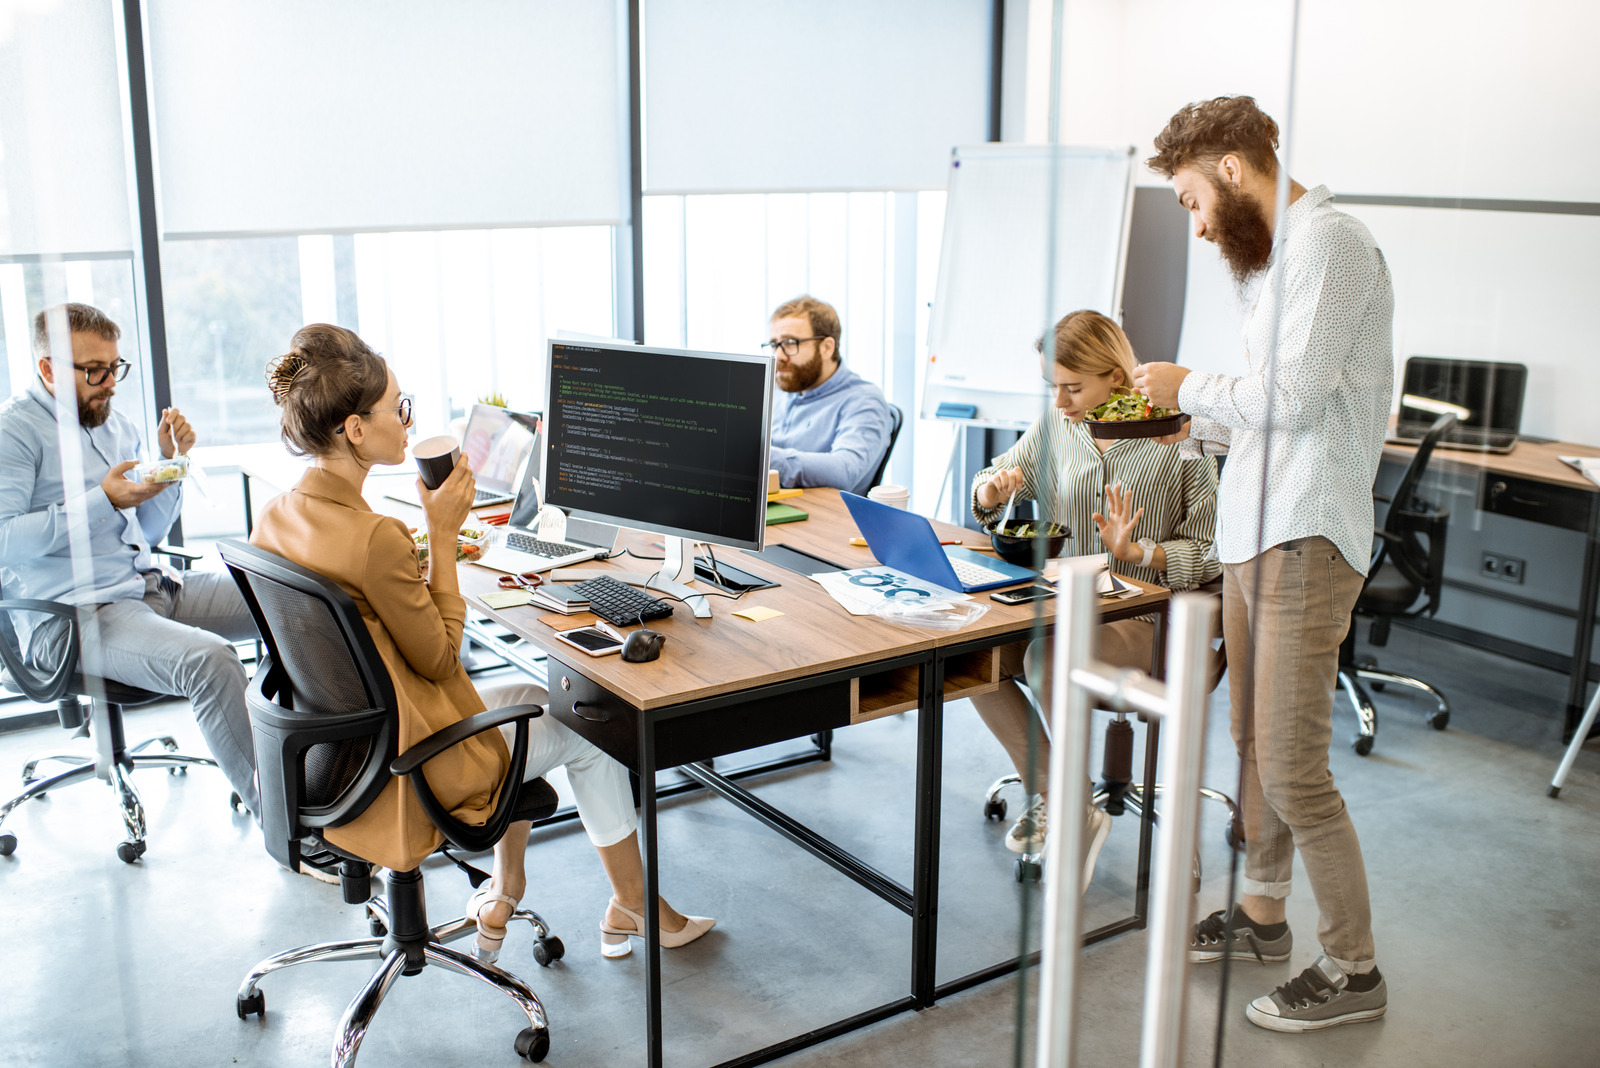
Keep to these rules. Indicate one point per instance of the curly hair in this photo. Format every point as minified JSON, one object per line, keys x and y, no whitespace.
{"x":1202,"y":133}
{"x":327,"y":375}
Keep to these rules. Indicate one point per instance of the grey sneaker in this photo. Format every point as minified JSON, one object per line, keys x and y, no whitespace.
{"x":1318,"y":997}
{"x":1027,"y":834}
{"x":1212,"y":940}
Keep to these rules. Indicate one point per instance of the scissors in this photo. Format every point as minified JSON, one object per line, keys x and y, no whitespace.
{"x":528,"y":580}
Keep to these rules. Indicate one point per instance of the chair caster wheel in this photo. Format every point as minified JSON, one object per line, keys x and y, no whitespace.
{"x":255,"y":1003}
{"x":1233,"y":834}
{"x":533,"y":1043}
{"x":1028,"y":871}
{"x":546,"y":951}
{"x":8,"y":844}
{"x":175,"y":772}
{"x":128,"y":852}
{"x":376,"y":927}
{"x":1361,"y":744}
{"x":236,"y":802}
{"x":995,"y":810}
{"x":1439,"y":720}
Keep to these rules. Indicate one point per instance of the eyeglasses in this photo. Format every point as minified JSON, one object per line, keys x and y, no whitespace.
{"x":96,"y":374}
{"x":528,"y":580}
{"x":404,"y":408}
{"x":790,"y":345}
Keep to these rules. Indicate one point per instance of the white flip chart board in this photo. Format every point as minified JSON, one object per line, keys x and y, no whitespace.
{"x":1006,"y":275}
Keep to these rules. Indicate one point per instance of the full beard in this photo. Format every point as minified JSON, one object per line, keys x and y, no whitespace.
{"x":1242,"y":235}
{"x":89,"y":416}
{"x":802,"y":376}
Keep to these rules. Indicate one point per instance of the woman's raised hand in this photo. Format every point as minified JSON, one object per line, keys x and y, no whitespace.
{"x":447,"y":506}
{"x":1117,"y":523}
{"x":1001,"y":485}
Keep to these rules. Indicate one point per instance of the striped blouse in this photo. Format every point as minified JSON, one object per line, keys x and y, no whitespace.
{"x":1179,"y":496}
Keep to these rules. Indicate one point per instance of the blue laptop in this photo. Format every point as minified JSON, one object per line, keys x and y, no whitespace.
{"x":907,"y":542}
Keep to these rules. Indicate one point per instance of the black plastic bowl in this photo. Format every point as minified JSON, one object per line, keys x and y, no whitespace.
{"x":1023,"y":551}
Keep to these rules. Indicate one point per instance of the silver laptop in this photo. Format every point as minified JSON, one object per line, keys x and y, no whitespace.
{"x":1485,"y":396}
{"x":497,"y":444}
{"x":517,"y":547}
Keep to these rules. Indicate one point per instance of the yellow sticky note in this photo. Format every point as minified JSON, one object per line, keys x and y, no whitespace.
{"x":758,"y":614}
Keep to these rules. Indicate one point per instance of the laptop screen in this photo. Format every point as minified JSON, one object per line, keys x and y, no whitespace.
{"x":1479,"y":393}
{"x":495,"y":445}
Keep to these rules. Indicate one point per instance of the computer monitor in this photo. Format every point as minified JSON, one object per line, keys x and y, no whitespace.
{"x":671,"y":441}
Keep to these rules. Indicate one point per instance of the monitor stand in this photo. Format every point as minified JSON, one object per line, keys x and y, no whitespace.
{"x":677,"y":570}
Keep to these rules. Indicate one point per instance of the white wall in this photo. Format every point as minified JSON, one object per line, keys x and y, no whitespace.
{"x":1444,"y":98}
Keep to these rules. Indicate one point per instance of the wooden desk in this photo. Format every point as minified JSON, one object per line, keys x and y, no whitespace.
{"x":725,"y":684}
{"x":1531,"y":483}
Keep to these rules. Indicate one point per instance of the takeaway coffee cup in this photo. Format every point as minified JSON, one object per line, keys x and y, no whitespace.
{"x":436,"y":457}
{"x":895,"y":496}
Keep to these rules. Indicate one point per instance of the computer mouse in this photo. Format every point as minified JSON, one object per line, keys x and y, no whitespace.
{"x":643,"y":645}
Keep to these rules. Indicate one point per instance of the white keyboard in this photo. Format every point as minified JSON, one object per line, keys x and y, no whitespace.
{"x":972,"y":574}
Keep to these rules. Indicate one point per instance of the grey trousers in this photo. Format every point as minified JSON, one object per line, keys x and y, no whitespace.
{"x":177,"y":642}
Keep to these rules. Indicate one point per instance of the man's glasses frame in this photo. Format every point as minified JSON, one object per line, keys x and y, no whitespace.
{"x":96,"y":374}
{"x":790,"y":345}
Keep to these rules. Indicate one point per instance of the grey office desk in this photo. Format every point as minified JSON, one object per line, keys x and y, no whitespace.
{"x":1530,"y":483}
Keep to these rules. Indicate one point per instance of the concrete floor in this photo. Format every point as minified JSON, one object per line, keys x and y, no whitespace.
{"x":1480,"y":888}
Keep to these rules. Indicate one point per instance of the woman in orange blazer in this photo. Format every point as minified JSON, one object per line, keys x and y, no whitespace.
{"x":342,"y":406}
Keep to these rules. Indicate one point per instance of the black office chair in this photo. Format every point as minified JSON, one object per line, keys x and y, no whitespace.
{"x":1407,"y":567}
{"x":112,"y":761}
{"x":322,"y":712}
{"x":896,"y":418}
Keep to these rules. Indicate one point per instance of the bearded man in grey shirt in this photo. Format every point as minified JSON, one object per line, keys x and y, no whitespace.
{"x":1303,"y":431}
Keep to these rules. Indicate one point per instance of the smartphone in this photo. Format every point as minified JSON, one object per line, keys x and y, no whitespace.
{"x":1023,"y":594}
{"x":591,"y":640}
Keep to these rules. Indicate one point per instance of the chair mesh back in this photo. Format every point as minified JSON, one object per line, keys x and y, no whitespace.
{"x":322,"y":677}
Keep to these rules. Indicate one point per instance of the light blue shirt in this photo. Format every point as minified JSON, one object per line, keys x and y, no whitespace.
{"x":35,"y":551}
{"x":833,"y":435}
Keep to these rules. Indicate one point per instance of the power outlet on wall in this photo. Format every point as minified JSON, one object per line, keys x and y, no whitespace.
{"x":1501,"y":566}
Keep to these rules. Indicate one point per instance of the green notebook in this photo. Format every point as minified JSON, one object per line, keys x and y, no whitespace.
{"x":778,"y":512}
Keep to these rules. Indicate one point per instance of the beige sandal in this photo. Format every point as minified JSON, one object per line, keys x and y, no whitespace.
{"x":490,"y":938}
{"x":614,"y":940}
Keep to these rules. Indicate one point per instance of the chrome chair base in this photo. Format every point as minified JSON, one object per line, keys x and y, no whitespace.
{"x":1350,"y":681}
{"x":399,"y":958}
{"x":1112,"y":798}
{"x":117,"y":773}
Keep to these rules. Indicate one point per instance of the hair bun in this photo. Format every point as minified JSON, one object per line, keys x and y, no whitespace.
{"x":282,"y":372}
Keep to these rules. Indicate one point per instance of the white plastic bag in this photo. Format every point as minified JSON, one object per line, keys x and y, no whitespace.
{"x":947,"y":616}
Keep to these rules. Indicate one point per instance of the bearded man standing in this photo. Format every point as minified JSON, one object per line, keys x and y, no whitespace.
{"x":1303,"y":431}
{"x":831,"y":426}
{"x":153,"y":631}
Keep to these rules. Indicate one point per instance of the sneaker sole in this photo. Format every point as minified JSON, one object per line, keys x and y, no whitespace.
{"x":1288,"y":1025}
{"x":1207,"y":956}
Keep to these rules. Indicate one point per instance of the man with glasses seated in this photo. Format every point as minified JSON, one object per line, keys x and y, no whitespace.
{"x":155,"y":631}
{"x":830,"y":426}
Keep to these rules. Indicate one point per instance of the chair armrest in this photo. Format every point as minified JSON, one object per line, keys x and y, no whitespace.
{"x":179,"y":553}
{"x":1383,"y":498}
{"x":35,"y":685}
{"x":458,"y":732}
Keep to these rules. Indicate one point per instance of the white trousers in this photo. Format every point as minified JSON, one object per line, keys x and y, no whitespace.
{"x":599,"y":784}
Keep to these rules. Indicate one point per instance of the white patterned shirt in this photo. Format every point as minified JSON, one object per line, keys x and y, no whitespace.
{"x":1304,"y":427}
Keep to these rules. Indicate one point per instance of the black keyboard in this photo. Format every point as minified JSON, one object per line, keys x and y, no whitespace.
{"x":619,"y":603}
{"x":550,"y":550}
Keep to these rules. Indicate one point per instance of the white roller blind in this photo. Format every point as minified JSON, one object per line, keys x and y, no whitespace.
{"x":300,"y":116}
{"x":61,"y":150}
{"x":829,"y":94}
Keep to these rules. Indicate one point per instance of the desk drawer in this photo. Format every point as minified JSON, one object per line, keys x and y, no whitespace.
{"x":1537,"y":502}
{"x":613,"y":725}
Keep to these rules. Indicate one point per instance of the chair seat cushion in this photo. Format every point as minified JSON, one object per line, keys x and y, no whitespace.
{"x":1387,"y":592}
{"x":536,"y":801}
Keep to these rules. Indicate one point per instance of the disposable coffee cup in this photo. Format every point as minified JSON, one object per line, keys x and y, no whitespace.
{"x":436,"y":457}
{"x":894,"y":496}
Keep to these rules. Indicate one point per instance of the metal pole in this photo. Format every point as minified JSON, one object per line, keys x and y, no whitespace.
{"x":1184,"y":732}
{"x":1069,"y":800}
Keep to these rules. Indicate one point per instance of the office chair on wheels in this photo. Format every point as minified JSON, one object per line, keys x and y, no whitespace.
{"x":323,"y":716}
{"x":1407,"y":564}
{"x":113,"y":760}
{"x":896,"y":419}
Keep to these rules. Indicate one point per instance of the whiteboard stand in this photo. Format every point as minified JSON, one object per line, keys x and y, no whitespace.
{"x":958,"y":446}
